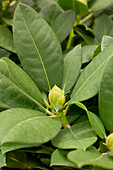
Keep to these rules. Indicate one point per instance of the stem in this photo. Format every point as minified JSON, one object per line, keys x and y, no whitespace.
{"x":72,"y":35}
{"x":86,"y":18}
{"x":64,"y":120}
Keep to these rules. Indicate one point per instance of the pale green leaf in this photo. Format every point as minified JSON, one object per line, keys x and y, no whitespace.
{"x":100,"y":5}
{"x":106,"y":42}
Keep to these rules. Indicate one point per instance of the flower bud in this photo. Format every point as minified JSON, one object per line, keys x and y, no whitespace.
{"x":56,"y":96}
{"x":109,"y":142}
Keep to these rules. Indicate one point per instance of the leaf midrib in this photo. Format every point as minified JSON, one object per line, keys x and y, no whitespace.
{"x":91,"y":76}
{"x":18,"y":124}
{"x":36,"y":50}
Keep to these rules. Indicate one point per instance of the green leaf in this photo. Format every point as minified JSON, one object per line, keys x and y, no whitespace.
{"x":4,"y":53}
{"x":27,"y":127}
{"x":37,"y":47}
{"x":59,"y":158}
{"x":86,"y":33}
{"x":80,"y":135}
{"x":106,"y":42}
{"x":6,"y":39}
{"x":87,"y":85}
{"x":63,"y":24}
{"x":79,"y":6}
{"x":72,"y":66}
{"x":16,"y":87}
{"x":90,"y":157}
{"x":16,"y":159}
{"x":87,"y":52}
{"x":94,"y":121}
{"x":103,"y":26}
{"x":50,"y":13}
{"x":2,"y":160}
{"x":100,"y":5}
{"x":106,"y":96}
{"x":43,"y":3}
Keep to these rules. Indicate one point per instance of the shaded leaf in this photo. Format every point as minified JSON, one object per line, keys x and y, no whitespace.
{"x":63,"y":24}
{"x":50,"y":13}
{"x":80,"y":7}
{"x":59,"y":158}
{"x":103,"y":26}
{"x":2,"y":160}
{"x":6,"y":39}
{"x":100,"y":5}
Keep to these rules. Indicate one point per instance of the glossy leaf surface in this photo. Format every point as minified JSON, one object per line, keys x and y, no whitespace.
{"x":37,"y":47}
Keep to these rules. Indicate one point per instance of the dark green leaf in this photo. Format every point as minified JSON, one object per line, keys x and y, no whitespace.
{"x":106,"y":96}
{"x":6,"y":39}
{"x":50,"y":12}
{"x":88,"y":83}
{"x":72,"y":66}
{"x":63,"y":24}
{"x":59,"y":158}
{"x":100,"y":5}
{"x":16,"y":87}
{"x":37,"y":47}
{"x":103,"y":26}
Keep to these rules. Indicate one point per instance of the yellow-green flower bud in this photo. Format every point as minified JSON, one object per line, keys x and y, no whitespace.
{"x":56,"y":96}
{"x":109,"y":142}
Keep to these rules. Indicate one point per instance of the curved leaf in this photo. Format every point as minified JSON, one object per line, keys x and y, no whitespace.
{"x":72,"y":65}
{"x":106,"y":96}
{"x":94,"y":121}
{"x":90,"y":157}
{"x":63,"y":24}
{"x":59,"y":158}
{"x":87,"y":85}
{"x":80,"y":135}
{"x":100,"y":5}
{"x":50,"y":12}
{"x":28,"y":127}
{"x":6,"y":39}
{"x":16,"y":88}
{"x":37,"y":47}
{"x":106,"y":42}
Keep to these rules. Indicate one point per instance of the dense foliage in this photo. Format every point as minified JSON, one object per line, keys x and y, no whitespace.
{"x":56,"y":84}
